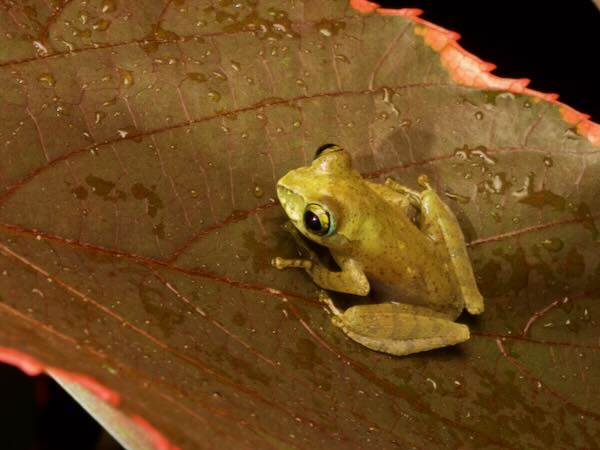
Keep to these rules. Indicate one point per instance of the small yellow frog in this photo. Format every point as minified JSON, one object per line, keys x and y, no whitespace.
{"x":421,"y":266}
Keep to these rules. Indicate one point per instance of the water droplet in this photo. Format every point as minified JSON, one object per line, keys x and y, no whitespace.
{"x":481,"y":153}
{"x":258,"y":192}
{"x":47,"y":79}
{"x":197,"y":77}
{"x":382,"y":116}
{"x":79,"y":192}
{"x":297,"y":124}
{"x":477,"y":153}
{"x":571,"y":133}
{"x":128,"y":132}
{"x":527,"y":104}
{"x":497,"y":184}
{"x":214,"y":96}
{"x":405,"y":123}
{"x":219,"y":75}
{"x":553,"y":244}
{"x":99,"y":117}
{"x":548,"y":162}
{"x":40,"y":48}
{"x":342,"y":58}
{"x":479,"y":115}
{"x":83,"y":17}
{"x":69,"y":45}
{"x":101,"y":25}
{"x":329,"y":28}
{"x":108,"y":6}
{"x":126,"y":77}
{"x":457,"y":197}
{"x":82,"y":33}
{"x":235,"y":66}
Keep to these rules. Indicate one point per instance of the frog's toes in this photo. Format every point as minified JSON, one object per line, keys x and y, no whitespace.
{"x":475,"y":309}
{"x":283,"y":263}
{"x":326,"y":299}
{"x":278,"y":263}
{"x":337,"y":321}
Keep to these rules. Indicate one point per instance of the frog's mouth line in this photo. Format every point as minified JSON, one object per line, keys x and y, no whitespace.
{"x":292,"y":203}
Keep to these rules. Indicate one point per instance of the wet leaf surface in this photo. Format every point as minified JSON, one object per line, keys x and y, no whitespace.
{"x":141,"y":146}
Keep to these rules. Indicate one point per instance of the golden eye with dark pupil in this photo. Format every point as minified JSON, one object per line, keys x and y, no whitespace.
{"x":316,"y":219}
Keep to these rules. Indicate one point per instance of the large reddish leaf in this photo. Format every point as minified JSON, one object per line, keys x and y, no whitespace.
{"x":141,"y":145}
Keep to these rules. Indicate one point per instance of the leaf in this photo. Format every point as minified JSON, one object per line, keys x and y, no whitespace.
{"x":142,"y":143}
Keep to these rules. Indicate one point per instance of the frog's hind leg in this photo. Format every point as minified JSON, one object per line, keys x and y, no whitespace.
{"x":438,"y":221}
{"x":398,"y":329}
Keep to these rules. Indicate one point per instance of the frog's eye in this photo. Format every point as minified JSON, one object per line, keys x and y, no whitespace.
{"x":327,"y":148}
{"x":317,"y":220}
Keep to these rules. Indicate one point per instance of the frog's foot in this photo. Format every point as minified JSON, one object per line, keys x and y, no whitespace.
{"x":283,"y":263}
{"x":328,"y":301}
{"x":413,"y":196}
{"x":394,"y":329}
{"x":337,"y":313}
{"x":474,"y":303}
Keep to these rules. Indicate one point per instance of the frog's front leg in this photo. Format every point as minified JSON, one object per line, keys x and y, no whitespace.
{"x":396,"y":328}
{"x":350,"y":279}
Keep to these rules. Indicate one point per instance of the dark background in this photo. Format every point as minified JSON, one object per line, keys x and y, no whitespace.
{"x":553,"y":44}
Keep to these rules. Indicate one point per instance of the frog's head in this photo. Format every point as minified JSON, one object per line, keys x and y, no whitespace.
{"x":315,"y":197}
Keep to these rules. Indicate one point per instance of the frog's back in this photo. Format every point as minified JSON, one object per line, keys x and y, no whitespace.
{"x":402,"y":263}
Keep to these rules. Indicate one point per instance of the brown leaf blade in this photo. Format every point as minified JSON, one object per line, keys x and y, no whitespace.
{"x":142,"y":146}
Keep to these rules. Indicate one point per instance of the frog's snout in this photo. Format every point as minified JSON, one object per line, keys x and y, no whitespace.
{"x":291,"y":202}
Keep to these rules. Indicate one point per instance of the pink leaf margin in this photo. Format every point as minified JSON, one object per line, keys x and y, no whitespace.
{"x":468,"y":70}
{"x":33,"y":367}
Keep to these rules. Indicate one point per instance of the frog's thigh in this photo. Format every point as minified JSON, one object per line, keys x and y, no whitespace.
{"x":399,"y":329}
{"x":350,"y":279}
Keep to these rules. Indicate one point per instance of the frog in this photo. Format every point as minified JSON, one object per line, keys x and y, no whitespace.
{"x":404,"y":246}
